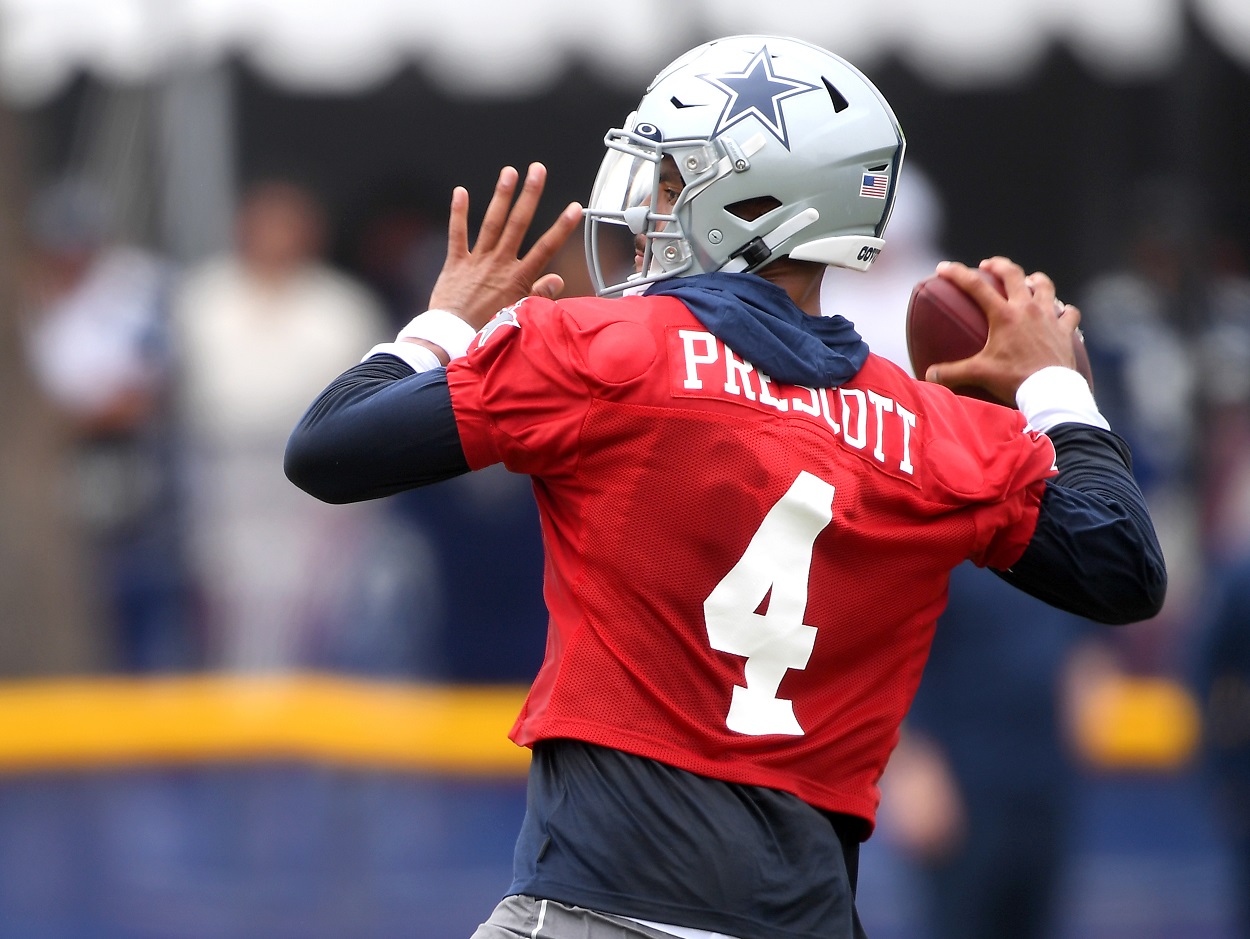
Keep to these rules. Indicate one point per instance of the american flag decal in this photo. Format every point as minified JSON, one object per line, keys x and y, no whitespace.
{"x":874,"y":185}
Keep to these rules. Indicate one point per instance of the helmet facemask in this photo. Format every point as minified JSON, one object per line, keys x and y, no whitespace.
{"x":640,"y":195}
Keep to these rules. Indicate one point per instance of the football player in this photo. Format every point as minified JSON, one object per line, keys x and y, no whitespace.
{"x":749,"y":519}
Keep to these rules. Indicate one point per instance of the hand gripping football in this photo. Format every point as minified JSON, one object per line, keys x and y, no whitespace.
{"x":944,"y":324}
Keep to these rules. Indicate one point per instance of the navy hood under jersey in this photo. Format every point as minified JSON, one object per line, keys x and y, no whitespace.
{"x":758,"y":320}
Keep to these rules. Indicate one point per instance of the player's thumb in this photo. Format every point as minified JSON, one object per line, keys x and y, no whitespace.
{"x":954,"y":374}
{"x":549,"y":286}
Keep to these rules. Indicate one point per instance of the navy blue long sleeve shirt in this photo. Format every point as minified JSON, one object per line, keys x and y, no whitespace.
{"x":381,"y":428}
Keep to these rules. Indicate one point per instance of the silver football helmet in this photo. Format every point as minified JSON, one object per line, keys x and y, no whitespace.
{"x":744,"y":150}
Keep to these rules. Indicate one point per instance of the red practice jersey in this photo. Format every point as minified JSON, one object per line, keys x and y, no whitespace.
{"x":742,"y":576}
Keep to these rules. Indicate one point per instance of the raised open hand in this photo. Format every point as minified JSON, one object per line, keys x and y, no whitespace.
{"x":476,"y":284}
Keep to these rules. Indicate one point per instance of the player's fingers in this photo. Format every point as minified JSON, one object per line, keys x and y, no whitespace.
{"x":1070,"y":316}
{"x":497,"y":211}
{"x":522,"y":214}
{"x":458,"y":224}
{"x":1040,"y":282}
{"x":550,"y":241}
{"x":971,"y":283}
{"x":1043,"y":288}
{"x":1010,"y":273}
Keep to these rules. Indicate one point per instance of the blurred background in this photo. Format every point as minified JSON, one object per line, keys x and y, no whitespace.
{"x":227,"y":710}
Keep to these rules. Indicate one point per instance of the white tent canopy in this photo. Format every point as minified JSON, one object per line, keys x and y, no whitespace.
{"x":504,"y":47}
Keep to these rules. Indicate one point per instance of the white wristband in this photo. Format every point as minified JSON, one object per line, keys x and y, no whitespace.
{"x":420,"y":358}
{"x":1057,"y":395}
{"x":446,"y":330}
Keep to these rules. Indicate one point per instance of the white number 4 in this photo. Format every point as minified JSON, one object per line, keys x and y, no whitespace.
{"x":776,"y":565}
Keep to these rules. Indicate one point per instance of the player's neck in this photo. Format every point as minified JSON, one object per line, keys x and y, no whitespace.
{"x":800,"y":279}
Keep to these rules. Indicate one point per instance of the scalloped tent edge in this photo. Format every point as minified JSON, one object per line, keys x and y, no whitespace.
{"x":486,"y":47}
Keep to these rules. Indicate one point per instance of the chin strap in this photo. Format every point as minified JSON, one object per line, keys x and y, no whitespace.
{"x":758,"y":250}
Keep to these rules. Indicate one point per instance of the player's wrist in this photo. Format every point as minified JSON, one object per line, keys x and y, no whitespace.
{"x":442,"y":328}
{"x":1057,"y":395}
{"x":418,"y":357}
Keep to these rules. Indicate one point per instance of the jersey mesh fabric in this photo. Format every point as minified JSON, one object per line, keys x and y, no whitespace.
{"x":657,"y":458}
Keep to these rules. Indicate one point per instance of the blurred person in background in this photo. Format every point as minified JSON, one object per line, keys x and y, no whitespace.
{"x":1223,"y":356}
{"x":1222,"y":636}
{"x":477,"y":521}
{"x":494,"y":635}
{"x":258,"y":333}
{"x":981,"y":788}
{"x":1143,"y":316}
{"x":396,"y":248}
{"x":1138,"y":316}
{"x":1223,"y":691}
{"x":96,"y":318}
{"x":876,"y":300}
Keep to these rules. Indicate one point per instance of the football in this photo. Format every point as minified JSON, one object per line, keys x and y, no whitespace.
{"x":944,"y":324}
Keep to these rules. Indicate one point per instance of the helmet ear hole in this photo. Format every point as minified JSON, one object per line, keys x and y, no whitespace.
{"x":750,"y":209}
{"x":840,"y":103}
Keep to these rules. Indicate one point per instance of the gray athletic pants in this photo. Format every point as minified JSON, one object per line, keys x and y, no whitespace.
{"x":545,"y":919}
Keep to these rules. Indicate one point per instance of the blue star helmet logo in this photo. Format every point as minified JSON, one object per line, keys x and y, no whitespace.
{"x":756,"y":92}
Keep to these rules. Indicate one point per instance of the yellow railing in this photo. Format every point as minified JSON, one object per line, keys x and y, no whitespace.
{"x":1128,"y":723}
{"x":101,"y":722}
{"x":1139,"y":723}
